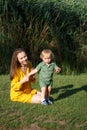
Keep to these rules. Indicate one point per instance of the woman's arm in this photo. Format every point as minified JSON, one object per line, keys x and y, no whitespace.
{"x":25,"y":79}
{"x":16,"y":82}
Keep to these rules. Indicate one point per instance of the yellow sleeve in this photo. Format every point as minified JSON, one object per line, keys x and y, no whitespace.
{"x":15,"y":83}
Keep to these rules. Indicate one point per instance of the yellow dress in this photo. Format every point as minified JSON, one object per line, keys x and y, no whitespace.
{"x":21,"y":93}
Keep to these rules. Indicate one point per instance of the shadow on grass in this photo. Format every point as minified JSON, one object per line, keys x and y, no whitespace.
{"x":67,"y":91}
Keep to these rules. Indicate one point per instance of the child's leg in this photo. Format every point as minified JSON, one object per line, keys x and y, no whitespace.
{"x":49,"y":91}
{"x":43,"y":92}
{"x":49,"y":88}
{"x":44,"y":95}
{"x":48,"y":97}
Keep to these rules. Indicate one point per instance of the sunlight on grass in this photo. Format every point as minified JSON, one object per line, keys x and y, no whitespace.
{"x":68,"y":112}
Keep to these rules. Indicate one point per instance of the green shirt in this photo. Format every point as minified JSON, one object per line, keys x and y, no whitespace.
{"x":46,"y":72}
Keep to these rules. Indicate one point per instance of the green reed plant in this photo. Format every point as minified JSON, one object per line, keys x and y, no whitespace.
{"x":34,"y":25}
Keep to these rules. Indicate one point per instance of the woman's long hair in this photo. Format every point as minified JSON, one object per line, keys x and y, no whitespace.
{"x":14,"y":62}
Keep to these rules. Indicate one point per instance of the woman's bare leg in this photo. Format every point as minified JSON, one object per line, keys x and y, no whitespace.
{"x":38,"y":92}
{"x":36,"y":98}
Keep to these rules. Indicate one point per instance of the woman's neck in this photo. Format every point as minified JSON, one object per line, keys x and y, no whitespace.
{"x":24,"y":69}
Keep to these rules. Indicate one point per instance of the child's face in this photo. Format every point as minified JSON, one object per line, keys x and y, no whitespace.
{"x":22,"y":58}
{"x":47,"y":59}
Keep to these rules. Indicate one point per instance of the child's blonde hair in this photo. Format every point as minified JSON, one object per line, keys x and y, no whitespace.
{"x":45,"y":52}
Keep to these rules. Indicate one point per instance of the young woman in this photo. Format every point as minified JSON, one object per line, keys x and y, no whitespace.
{"x":21,"y":89}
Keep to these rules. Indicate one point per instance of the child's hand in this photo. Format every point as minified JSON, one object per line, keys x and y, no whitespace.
{"x":28,"y":75}
{"x":58,"y":70}
{"x":32,"y":78}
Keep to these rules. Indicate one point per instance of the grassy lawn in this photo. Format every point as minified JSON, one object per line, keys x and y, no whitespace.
{"x":69,"y":111}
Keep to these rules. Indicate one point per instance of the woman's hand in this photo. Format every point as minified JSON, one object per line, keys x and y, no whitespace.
{"x":25,"y":79}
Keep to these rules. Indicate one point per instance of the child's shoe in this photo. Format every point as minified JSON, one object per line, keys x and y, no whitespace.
{"x":44,"y":102}
{"x":49,"y":101}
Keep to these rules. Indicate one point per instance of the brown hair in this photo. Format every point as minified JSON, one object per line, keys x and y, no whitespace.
{"x":47,"y":51}
{"x":14,"y":62}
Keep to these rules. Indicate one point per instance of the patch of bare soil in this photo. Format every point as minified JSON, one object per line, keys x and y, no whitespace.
{"x":35,"y":127}
{"x":31,"y":127}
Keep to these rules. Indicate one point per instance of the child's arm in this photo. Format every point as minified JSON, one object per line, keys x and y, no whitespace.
{"x":58,"y":69}
{"x":32,"y":78}
{"x":34,"y":71}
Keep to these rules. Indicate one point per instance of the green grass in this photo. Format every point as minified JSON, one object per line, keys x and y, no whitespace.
{"x":69,"y":111}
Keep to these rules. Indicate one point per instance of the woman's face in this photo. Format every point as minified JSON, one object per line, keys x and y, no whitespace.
{"x":22,"y":58}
